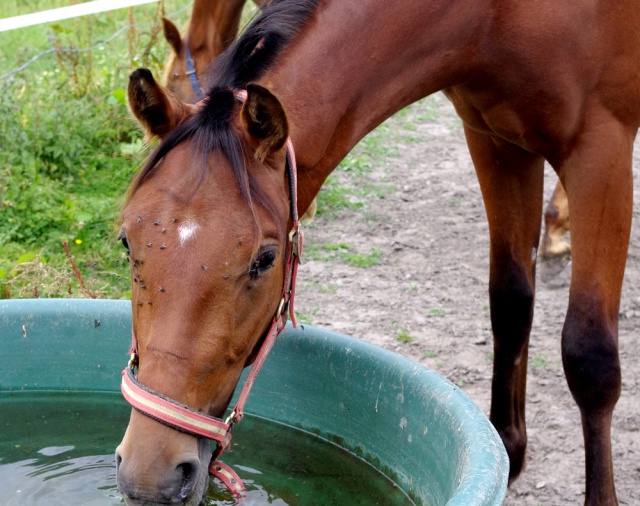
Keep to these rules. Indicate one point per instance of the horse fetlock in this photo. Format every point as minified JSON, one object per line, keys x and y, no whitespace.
{"x":515,"y":442}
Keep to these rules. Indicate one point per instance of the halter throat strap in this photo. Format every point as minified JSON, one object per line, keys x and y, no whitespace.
{"x":184,"y":419}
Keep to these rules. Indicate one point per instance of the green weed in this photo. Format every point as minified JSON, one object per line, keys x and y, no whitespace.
{"x":404,"y":337}
{"x":364,"y":260}
{"x":329,"y":252}
{"x":540,"y":362}
{"x":307,"y":319}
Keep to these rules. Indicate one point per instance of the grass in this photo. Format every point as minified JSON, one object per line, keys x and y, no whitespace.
{"x":329,"y":252}
{"x":430,"y":354}
{"x":540,"y":362}
{"x":68,"y":147}
{"x":404,"y":337}
{"x":306,"y":319}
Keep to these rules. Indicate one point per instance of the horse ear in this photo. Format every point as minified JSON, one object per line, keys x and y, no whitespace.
{"x":265,"y":120}
{"x":157,"y":109}
{"x":172,"y":34}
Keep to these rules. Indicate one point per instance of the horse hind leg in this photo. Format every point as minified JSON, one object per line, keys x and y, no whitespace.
{"x":555,"y":251}
{"x":598,"y":180}
{"x":511,"y":181}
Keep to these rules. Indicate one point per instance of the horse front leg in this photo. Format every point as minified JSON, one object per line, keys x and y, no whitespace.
{"x":511,"y":181}
{"x":598,"y":179}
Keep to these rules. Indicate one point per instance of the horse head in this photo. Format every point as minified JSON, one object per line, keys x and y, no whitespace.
{"x":206,"y":226}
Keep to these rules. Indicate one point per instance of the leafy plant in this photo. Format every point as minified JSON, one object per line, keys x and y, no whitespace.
{"x":431,"y":354}
{"x":540,"y":362}
{"x":404,"y":337}
{"x":364,"y":260}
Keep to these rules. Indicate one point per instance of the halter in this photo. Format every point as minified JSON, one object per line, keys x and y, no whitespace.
{"x":191,"y":72}
{"x":184,"y":419}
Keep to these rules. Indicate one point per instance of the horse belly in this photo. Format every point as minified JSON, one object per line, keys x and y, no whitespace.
{"x":518,"y":121}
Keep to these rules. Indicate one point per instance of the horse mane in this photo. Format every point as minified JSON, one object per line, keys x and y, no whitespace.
{"x":246,"y":60}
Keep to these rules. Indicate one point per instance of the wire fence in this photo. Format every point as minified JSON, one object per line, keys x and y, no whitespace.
{"x":89,"y":48}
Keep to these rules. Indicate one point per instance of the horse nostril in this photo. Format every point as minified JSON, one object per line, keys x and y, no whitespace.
{"x":189,"y":473}
{"x":157,"y":484}
{"x":118,"y":459}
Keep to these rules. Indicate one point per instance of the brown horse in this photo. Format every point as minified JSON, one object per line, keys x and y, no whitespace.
{"x":212,"y":28}
{"x":207,"y":218}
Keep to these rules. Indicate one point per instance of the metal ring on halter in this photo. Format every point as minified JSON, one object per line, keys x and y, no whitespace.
{"x":280,"y":308}
{"x":230,"y":417}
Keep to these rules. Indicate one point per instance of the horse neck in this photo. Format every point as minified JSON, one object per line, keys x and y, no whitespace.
{"x":214,"y":24}
{"x":357,"y":63}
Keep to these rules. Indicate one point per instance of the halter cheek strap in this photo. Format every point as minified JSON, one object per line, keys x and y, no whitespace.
{"x":184,"y":419}
{"x":193,"y":76}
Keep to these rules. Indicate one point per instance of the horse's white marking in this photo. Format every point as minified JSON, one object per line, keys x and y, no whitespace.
{"x":534,"y":253}
{"x":187,"y":230}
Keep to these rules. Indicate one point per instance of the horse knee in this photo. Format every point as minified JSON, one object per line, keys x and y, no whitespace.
{"x":591,"y":362}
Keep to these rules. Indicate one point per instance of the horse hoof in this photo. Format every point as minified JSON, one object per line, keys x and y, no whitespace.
{"x":555,"y":270}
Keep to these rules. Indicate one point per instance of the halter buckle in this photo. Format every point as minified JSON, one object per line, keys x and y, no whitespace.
{"x":190,"y":65}
{"x":281,"y":308}
{"x":295,"y":238}
{"x":230,"y":418}
{"x":133,"y":361}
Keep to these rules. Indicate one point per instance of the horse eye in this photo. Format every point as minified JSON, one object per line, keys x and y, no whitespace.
{"x":122,"y":237}
{"x":263,"y":262}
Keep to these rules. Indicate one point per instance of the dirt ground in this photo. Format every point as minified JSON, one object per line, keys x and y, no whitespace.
{"x":427,"y":296}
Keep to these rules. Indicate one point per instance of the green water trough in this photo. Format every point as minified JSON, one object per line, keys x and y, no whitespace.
{"x":407,"y":421}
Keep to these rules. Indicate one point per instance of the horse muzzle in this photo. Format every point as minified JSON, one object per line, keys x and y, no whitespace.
{"x":156,"y":470}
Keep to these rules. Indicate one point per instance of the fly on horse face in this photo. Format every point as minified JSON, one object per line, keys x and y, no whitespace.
{"x":208,"y":218}
{"x":212,"y":28}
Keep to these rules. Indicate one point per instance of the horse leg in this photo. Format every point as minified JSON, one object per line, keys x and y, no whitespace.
{"x":511,"y":181}
{"x":598,"y":180}
{"x":555,"y":251}
{"x":556,"y":223}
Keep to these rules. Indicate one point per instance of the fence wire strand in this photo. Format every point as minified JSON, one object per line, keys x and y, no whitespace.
{"x":90,"y":48}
